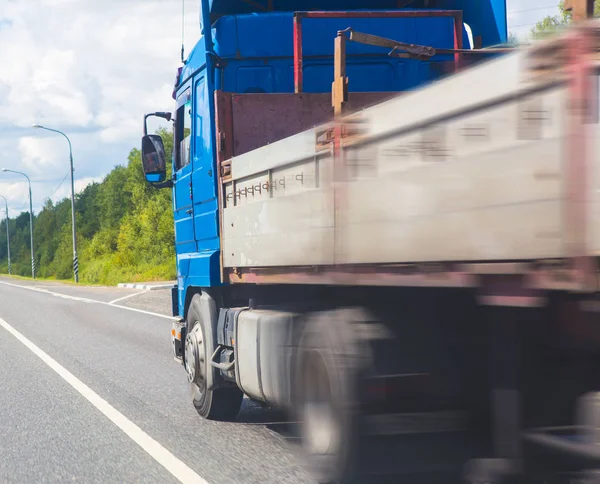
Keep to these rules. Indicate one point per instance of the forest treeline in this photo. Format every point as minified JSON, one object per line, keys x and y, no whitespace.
{"x":124,"y":231}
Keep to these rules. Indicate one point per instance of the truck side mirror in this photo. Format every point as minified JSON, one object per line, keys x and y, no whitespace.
{"x":153,"y":158}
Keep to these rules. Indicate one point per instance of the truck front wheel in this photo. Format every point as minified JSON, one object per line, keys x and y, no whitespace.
{"x":200,"y":343}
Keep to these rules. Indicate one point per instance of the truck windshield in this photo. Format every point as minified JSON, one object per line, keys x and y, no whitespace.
{"x":183,"y":131}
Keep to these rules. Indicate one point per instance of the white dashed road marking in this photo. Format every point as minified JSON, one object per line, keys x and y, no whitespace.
{"x":92,"y":301}
{"x":127,"y":297}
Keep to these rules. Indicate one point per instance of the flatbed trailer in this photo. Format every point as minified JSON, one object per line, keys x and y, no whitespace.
{"x":487,"y":172}
{"x":415,"y":280}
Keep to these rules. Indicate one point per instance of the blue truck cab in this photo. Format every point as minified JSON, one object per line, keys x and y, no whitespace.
{"x":248,"y":47}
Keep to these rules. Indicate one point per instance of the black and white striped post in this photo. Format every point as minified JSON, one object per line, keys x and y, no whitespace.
{"x":76,"y":267}
{"x":74,"y":230}
{"x":7,"y":235}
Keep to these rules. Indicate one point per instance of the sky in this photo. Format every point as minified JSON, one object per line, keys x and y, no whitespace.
{"x":92,"y":68}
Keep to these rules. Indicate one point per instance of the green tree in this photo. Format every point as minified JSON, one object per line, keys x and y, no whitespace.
{"x":550,"y":24}
{"x":125,"y":230}
{"x":87,"y":202}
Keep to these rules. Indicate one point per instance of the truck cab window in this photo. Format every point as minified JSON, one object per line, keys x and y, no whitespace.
{"x":183,"y":133}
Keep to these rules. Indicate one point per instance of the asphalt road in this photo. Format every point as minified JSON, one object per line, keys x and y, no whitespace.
{"x":90,"y":393}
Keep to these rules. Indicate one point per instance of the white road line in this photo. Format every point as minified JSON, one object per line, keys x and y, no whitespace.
{"x":127,"y":297}
{"x":87,"y":300}
{"x":171,"y":318}
{"x":161,"y":455}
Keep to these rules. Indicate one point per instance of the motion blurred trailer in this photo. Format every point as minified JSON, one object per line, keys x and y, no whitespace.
{"x":486,"y":166}
{"x":415,"y":281}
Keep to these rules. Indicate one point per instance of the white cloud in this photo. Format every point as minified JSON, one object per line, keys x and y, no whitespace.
{"x":17,"y":195}
{"x":84,"y":182}
{"x":39,"y":156}
{"x":91,"y":69}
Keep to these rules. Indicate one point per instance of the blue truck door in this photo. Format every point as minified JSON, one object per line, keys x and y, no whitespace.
{"x":182,"y":191}
{"x":204,"y":177}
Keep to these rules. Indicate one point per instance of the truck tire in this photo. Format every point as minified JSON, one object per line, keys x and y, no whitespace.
{"x":200,"y":343}
{"x":328,"y":366}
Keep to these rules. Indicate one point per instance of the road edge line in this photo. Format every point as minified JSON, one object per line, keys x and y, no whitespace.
{"x":153,"y":448}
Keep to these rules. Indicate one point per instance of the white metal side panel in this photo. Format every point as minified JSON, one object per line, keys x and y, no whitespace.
{"x":525,"y":231}
{"x":294,"y":230}
{"x":482,"y":186}
{"x":282,"y":215}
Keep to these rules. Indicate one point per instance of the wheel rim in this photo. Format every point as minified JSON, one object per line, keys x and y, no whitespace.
{"x":321,"y":425}
{"x":195,"y":356}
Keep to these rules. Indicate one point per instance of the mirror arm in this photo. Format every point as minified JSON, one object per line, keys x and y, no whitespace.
{"x":165,"y":184}
{"x":159,"y":114}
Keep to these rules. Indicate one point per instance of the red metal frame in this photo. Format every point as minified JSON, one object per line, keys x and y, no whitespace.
{"x":509,"y":290}
{"x":364,"y":275}
{"x":577,"y":155}
{"x":458,"y":38}
{"x":501,"y":283}
{"x":298,"y":68}
{"x":298,"y":16}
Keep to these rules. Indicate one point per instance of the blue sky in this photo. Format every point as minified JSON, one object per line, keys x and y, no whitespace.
{"x":92,"y":69}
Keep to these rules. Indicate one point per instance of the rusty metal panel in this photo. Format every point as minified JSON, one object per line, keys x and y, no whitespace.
{"x":224,"y":125}
{"x":261,"y":119}
{"x":224,"y":143}
{"x":356,"y":275}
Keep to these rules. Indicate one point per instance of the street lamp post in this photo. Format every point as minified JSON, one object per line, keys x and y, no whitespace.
{"x":73,"y":229}
{"x":7,"y":234}
{"x":30,"y":218}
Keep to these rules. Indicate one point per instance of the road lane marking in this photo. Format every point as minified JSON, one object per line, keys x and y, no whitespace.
{"x":126,"y":297}
{"x":176,"y":467}
{"x":87,"y":300}
{"x":143,"y":311}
